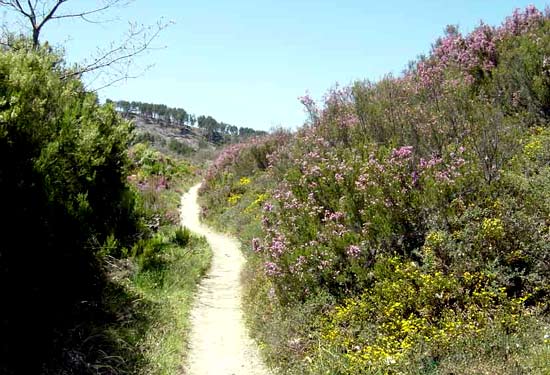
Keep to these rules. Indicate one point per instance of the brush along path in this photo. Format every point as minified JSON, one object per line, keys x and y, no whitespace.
{"x":219,"y":343}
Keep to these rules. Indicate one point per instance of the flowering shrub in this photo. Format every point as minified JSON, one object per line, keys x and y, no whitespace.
{"x":334,"y":213}
{"x":406,"y":307}
{"x":415,"y":208}
{"x":154,"y":174}
{"x":232,"y":174}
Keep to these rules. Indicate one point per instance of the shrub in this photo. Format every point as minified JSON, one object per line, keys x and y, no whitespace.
{"x":419,"y":204}
{"x":148,"y":252}
{"x":406,"y":307}
{"x":180,"y":148}
{"x":63,"y":168}
{"x":182,"y":236}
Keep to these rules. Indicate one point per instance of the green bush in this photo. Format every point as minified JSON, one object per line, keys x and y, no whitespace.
{"x":63,"y":168}
{"x":149,"y":252}
{"x":180,"y":147}
{"x":182,"y":236}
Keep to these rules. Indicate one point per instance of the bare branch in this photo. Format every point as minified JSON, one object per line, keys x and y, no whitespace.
{"x":112,"y":61}
{"x":51,"y":14}
{"x":16,"y":6}
{"x":116,"y":60}
{"x":81,"y":14}
{"x":119,"y":79}
{"x":31,"y":9}
{"x":108,"y":5}
{"x":124,"y":52}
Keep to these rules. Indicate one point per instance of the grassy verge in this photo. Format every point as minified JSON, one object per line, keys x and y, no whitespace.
{"x":156,"y":301}
{"x":141,"y":324}
{"x":145,"y":323}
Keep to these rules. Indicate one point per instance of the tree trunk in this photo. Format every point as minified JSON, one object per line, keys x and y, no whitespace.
{"x":35,"y":36}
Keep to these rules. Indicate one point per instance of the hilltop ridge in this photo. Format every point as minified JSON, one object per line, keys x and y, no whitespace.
{"x":178,"y":129}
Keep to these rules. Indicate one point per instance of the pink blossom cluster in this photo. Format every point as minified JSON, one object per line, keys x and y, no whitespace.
{"x":429,"y":163}
{"x":230,"y":154}
{"x":337,"y":112}
{"x":272,"y":269}
{"x":465,"y":54}
{"x":309,"y":231}
{"x":363,"y":181}
{"x":277,"y":247}
{"x":333,"y":216}
{"x":476,"y":51}
{"x":404,"y":152}
{"x":227,"y":157}
{"x":353,"y":251}
{"x":310,"y":107}
{"x":522,"y":21}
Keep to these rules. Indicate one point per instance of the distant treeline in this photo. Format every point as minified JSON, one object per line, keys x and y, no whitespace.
{"x":157,"y":112}
{"x":214,"y":131}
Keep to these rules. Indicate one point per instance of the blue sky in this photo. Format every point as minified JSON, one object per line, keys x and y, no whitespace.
{"x":246,"y":62}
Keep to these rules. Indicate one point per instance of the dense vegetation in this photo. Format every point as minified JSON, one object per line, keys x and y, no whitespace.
{"x":95,"y":276}
{"x":214,"y":131}
{"x":157,"y":112}
{"x":405,"y":228}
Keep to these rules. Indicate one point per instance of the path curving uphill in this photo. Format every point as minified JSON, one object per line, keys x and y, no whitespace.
{"x":219,"y":342}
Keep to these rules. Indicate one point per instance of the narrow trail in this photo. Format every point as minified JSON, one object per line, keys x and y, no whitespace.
{"x":219,"y":343}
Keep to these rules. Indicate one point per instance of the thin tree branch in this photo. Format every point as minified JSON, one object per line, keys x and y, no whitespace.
{"x":111,"y":57}
{"x":123,"y":78}
{"x":114,"y":59}
{"x":17,"y":7}
{"x":51,"y":14}
{"x":81,"y":14}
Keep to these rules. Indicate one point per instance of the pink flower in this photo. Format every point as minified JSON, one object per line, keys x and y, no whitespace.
{"x":277,"y":247}
{"x":333,"y":216}
{"x":402,"y":152}
{"x":272,"y":269}
{"x":256,"y":245}
{"x":353,"y":251}
{"x":361,"y":183}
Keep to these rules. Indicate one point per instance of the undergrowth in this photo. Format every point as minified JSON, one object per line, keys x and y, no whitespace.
{"x":140,"y":325}
{"x":164,"y":270}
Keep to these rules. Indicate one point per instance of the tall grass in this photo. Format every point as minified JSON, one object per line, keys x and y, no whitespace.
{"x":170,"y":290}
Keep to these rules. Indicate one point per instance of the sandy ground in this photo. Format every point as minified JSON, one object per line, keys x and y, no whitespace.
{"x":219,"y":343}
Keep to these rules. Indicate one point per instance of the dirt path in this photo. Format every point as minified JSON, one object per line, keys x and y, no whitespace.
{"x":219,"y":341}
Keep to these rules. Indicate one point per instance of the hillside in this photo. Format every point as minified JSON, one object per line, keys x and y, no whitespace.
{"x":177,"y":130}
{"x":404,"y":229}
{"x":174,"y":137}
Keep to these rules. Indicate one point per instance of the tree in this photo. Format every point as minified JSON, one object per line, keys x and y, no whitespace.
{"x":234,"y":130}
{"x":117,"y":56}
{"x":39,"y":13}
